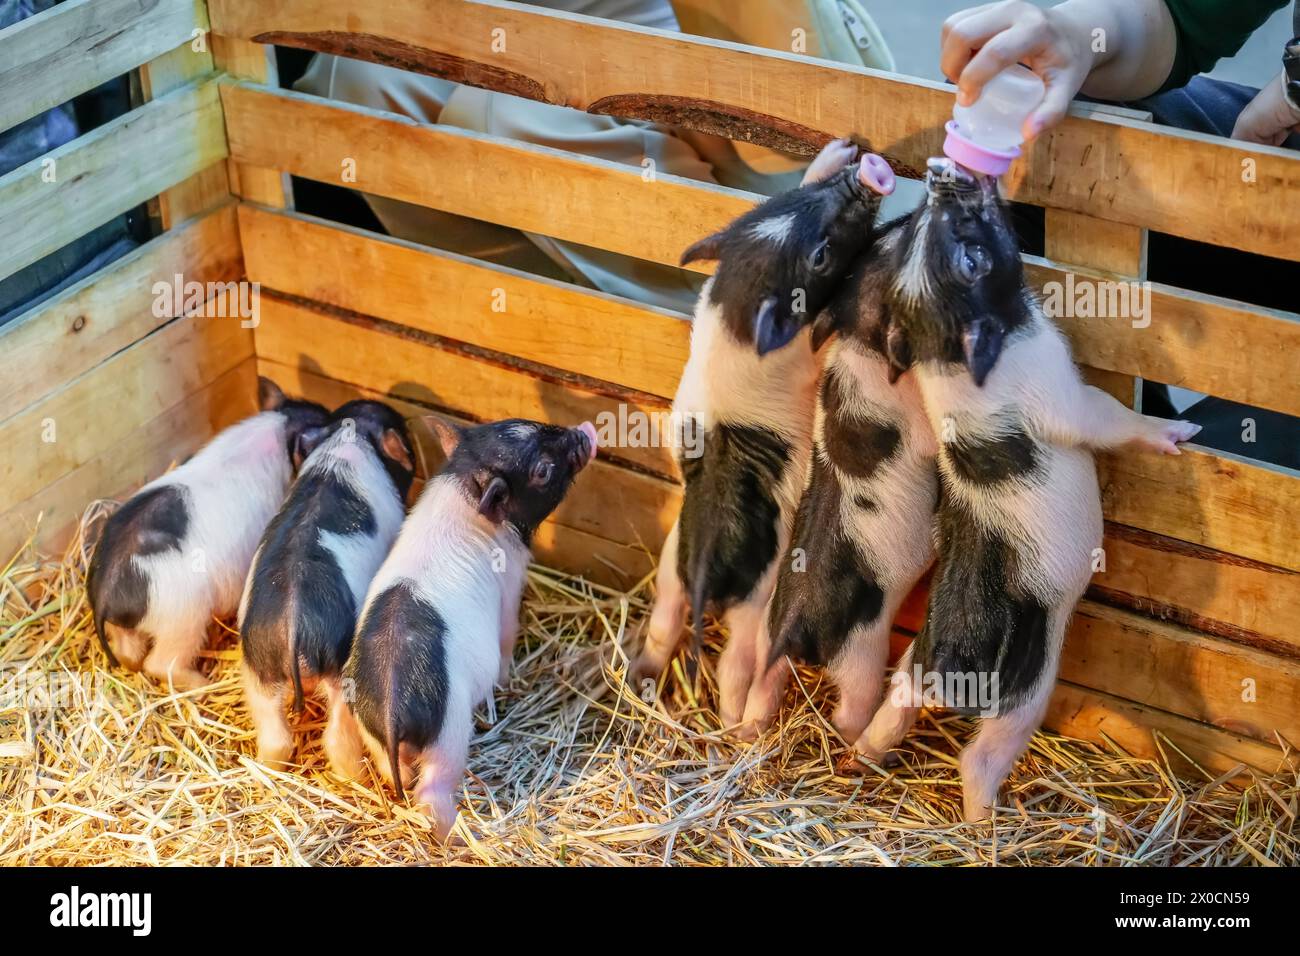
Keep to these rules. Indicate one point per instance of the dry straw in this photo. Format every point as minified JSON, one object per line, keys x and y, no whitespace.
{"x":104,"y":767}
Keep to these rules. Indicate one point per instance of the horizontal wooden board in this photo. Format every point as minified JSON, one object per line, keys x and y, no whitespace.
{"x":1217,"y":346}
{"x":402,"y":364}
{"x":534,"y":188}
{"x":1168,"y":667}
{"x":100,"y":408}
{"x":142,"y":455}
{"x":108,"y":171}
{"x":48,"y":59}
{"x":566,"y":541}
{"x":542,"y":320}
{"x":1091,"y":715}
{"x":104,"y":313}
{"x":1096,"y":162}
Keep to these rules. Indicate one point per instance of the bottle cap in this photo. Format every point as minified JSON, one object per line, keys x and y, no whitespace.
{"x":990,"y":162}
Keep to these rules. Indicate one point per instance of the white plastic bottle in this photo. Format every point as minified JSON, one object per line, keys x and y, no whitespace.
{"x":985,"y":136}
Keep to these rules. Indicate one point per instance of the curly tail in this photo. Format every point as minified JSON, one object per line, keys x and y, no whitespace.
{"x":295,"y":666}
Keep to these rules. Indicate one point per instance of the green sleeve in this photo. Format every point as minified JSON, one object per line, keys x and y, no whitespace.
{"x":1209,"y":30}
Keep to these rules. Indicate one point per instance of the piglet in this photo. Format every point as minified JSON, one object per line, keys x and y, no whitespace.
{"x":440,"y":619}
{"x":1019,"y":516}
{"x":745,"y":407}
{"x":312,"y":570}
{"x":177,"y":552}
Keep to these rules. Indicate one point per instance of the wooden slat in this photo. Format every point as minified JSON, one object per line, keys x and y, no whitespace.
{"x":109,"y":170}
{"x":1252,"y":603}
{"x":1171,"y":668}
{"x":61,"y":339}
{"x":1215,"y":500}
{"x":1098,"y":163}
{"x":48,"y":59}
{"x":534,"y":188}
{"x":558,"y":543}
{"x":1217,"y":346}
{"x":384,"y":358}
{"x":1090,"y":715}
{"x":252,"y":61}
{"x":91,"y":413}
{"x":542,"y":320}
{"x":143,"y":454}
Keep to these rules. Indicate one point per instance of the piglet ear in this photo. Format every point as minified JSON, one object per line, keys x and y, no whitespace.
{"x":823,"y":327}
{"x":269,"y":395}
{"x":307,"y":441}
{"x":396,"y":448}
{"x":981,"y":344}
{"x":898,"y":350}
{"x":449,"y":434}
{"x":492,"y":500}
{"x":708,"y":248}
{"x":770,"y":333}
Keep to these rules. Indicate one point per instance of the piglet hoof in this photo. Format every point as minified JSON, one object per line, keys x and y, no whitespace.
{"x":851,"y":764}
{"x":747,"y":732}
{"x":1163,"y":436}
{"x":275,"y":754}
{"x":642,"y":669}
{"x":181,"y":679}
{"x":975,"y":810}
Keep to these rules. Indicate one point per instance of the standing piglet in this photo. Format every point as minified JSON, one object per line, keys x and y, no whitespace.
{"x":440,"y":619}
{"x":1019,"y":516}
{"x":313,"y":567}
{"x":177,"y":553}
{"x":745,"y":401}
{"x":862,"y":534}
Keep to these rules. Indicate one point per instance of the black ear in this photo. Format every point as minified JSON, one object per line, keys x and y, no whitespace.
{"x":823,"y":327}
{"x":492,"y":500}
{"x":708,"y":248}
{"x":770,"y":332}
{"x":307,"y":441}
{"x":269,"y":395}
{"x":981,"y":344}
{"x":898,"y":350}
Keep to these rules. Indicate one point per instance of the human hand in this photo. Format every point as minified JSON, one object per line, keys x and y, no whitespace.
{"x":981,"y":42}
{"x":1269,"y":118}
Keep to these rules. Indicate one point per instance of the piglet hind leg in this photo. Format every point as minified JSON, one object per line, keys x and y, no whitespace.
{"x":859,"y":671}
{"x":666,"y":618}
{"x":999,"y":742}
{"x":342,"y":740}
{"x":266,"y":707}
{"x":129,"y":646}
{"x":175,"y":652}
{"x":442,"y":768}
{"x":738,"y":663}
{"x":895,"y":716}
{"x":766,"y":688}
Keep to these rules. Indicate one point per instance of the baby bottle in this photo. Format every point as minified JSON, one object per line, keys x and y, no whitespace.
{"x":985,"y":136}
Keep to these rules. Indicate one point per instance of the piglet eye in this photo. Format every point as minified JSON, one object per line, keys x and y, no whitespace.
{"x":541,"y":473}
{"x":821,"y":256}
{"x":972,"y":262}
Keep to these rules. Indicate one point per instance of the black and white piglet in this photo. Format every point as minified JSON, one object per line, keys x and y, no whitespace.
{"x":312,"y":569}
{"x":862,"y":535}
{"x":177,"y":552}
{"x":1019,"y":516}
{"x":439,"y":623}
{"x":746,"y":402}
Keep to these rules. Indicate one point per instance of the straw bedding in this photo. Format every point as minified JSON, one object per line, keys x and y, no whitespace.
{"x":575,"y":769}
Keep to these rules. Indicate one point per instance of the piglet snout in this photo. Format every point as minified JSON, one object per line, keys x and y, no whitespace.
{"x":587,"y":443}
{"x":875,"y":174}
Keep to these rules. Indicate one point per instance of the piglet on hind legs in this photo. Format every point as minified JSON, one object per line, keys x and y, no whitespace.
{"x":666,"y":618}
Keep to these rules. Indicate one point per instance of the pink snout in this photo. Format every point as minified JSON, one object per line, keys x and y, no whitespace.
{"x":875,"y":174}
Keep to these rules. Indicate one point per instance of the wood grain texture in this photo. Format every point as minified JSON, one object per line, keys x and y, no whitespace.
{"x":541,"y":320}
{"x":64,"y":337}
{"x":109,"y":170}
{"x":48,"y":59}
{"x":252,"y":61}
{"x":1096,"y":162}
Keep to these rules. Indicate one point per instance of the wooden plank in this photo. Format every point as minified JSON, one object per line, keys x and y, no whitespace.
{"x":1236,"y":351}
{"x":402,"y":364}
{"x":1216,"y":500}
{"x":89,"y":414}
{"x":1217,"y":346}
{"x":159,"y":77}
{"x":1170,"y":668}
{"x":542,"y":320}
{"x":252,"y":61}
{"x":1086,"y":714}
{"x":534,"y":188}
{"x":143,"y":454}
{"x":48,"y":59}
{"x":558,"y":543}
{"x":70,"y":334}
{"x":1098,"y":163}
{"x":1245,"y":601}
{"x":109,"y":170}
